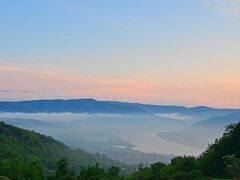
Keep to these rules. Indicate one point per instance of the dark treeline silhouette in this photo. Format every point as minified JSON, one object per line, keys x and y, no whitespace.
{"x":21,"y":170}
{"x":220,"y":160}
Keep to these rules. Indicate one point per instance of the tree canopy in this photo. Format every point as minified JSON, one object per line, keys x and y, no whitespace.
{"x":28,"y":155}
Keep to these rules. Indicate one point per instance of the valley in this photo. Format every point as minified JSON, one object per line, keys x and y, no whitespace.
{"x":156,"y":134}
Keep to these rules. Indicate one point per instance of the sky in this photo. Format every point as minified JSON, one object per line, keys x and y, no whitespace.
{"x":180,"y":52}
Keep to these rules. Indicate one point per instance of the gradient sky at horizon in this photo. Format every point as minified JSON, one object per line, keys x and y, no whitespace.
{"x":151,"y":51}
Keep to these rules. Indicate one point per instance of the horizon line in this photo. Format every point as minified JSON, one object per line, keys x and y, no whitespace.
{"x":130,"y":102}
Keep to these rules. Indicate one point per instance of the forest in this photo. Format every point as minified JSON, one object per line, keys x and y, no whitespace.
{"x":28,"y":155}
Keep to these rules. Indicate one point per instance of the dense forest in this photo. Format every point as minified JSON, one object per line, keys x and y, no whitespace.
{"x":29,"y":155}
{"x":24,"y":146}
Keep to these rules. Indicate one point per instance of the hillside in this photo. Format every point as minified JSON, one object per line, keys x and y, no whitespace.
{"x":112,"y":146}
{"x":202,"y":133}
{"x":219,"y":122}
{"x":220,"y":161}
{"x":17,"y":143}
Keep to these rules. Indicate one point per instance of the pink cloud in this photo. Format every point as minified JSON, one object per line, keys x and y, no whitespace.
{"x":58,"y":84}
{"x":24,"y":83}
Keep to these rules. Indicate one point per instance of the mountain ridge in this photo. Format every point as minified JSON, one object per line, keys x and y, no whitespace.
{"x":91,"y":105}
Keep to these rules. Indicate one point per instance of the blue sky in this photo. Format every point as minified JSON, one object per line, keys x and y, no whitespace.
{"x":170,"y":43}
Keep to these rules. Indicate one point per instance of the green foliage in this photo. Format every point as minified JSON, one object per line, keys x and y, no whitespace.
{"x":18,"y":144}
{"x":113,"y":172}
{"x":95,"y":173}
{"x":30,"y":156}
{"x":185,"y":168}
{"x":212,"y":161}
{"x":63,"y":170}
{"x":21,"y":170}
{"x":4,"y":178}
{"x":233,"y":166}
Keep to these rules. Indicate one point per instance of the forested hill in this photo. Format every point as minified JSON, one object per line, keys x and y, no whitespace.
{"x":220,"y":161}
{"x":20,"y":144}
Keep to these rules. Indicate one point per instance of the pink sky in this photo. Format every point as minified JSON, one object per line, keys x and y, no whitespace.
{"x":18,"y":83}
{"x":161,"y":52}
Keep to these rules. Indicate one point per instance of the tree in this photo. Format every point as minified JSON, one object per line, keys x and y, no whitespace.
{"x":92,"y":172}
{"x":113,"y":172}
{"x":62,"y":167}
{"x":21,"y":170}
{"x":212,"y":162}
{"x":233,"y":166}
{"x":63,"y":172}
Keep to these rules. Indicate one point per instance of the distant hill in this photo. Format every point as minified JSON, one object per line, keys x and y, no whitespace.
{"x":94,"y":106}
{"x":17,"y":143}
{"x":72,"y":105}
{"x":221,"y":160}
{"x":219,"y":122}
{"x":194,"y":114}
{"x":30,"y":124}
{"x":202,"y":133}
